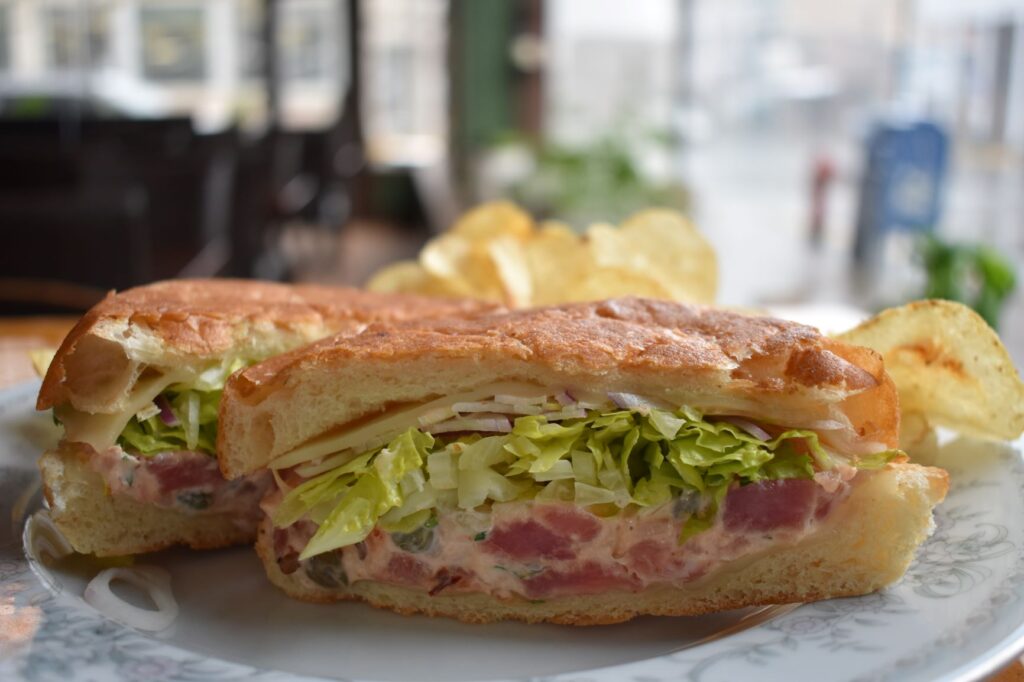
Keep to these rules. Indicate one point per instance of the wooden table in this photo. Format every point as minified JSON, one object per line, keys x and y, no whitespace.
{"x":20,"y":335}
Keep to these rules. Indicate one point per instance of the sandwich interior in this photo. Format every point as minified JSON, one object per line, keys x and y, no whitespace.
{"x":157,"y":451}
{"x":530,"y":495}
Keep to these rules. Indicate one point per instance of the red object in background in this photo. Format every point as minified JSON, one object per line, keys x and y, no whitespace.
{"x":821,"y":177}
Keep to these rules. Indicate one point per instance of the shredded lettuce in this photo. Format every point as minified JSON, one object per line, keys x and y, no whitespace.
{"x":195,"y":407}
{"x":616,"y":459}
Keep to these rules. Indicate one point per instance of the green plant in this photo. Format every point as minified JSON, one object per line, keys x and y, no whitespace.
{"x":974,"y":274}
{"x":598,"y":181}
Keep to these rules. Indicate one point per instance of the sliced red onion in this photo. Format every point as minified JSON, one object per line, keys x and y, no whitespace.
{"x":496,"y":407}
{"x":488,"y":424}
{"x":631,"y":401}
{"x":167,"y":415}
{"x":748,"y":426}
{"x":156,"y":582}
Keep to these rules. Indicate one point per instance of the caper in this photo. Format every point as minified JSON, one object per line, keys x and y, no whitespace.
{"x":327,"y":570}
{"x":196,"y":499}
{"x":687,"y":504}
{"x":419,"y":540}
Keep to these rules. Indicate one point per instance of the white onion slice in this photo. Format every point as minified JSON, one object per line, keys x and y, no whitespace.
{"x":632,"y":401}
{"x":436,"y":415}
{"x":157,"y":584}
{"x":748,"y":426}
{"x":148,"y":411}
{"x":825,"y":425}
{"x":509,"y":399}
{"x":489,"y":424}
{"x":43,"y":538}
{"x":575,"y":412}
{"x":565,"y":398}
{"x":496,"y":407}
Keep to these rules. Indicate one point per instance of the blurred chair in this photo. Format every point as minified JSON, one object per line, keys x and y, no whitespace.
{"x":111,"y":204}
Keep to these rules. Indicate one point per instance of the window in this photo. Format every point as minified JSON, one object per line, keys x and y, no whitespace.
{"x":250,"y":39}
{"x":5,"y":54}
{"x":62,"y":38}
{"x":405,"y":106}
{"x":77,"y":36}
{"x":173,"y":43}
{"x":305,"y":49}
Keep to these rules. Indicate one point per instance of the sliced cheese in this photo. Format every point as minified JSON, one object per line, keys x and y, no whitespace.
{"x":379,"y":431}
{"x":101,"y":430}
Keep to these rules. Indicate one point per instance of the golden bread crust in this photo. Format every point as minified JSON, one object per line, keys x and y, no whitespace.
{"x":776,"y":368}
{"x":204,"y":318}
{"x":636,"y":333}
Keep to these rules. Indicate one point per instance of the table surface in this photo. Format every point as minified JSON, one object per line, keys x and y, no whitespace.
{"x":19,"y":335}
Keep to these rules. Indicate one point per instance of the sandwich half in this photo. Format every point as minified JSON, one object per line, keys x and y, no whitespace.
{"x":137,"y":385}
{"x":579,"y":464}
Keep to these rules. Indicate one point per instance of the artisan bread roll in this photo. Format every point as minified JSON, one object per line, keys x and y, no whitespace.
{"x":716,"y":361}
{"x":183,"y":324}
{"x":533,"y":558}
{"x":866,"y":543}
{"x":169,"y":332}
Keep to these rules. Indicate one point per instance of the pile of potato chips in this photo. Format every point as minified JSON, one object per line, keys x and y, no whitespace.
{"x":496,"y":253}
{"x":950,"y":368}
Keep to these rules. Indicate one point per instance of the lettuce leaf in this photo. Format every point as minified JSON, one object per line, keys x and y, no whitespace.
{"x":195,"y":406}
{"x":616,"y":459}
{"x":196,"y":412}
{"x":362,"y":495}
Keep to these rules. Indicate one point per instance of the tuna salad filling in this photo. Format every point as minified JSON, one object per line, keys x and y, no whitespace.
{"x":183,"y":480}
{"x":161,"y":449}
{"x":541,"y":496}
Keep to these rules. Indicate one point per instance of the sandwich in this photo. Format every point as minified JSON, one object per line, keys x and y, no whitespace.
{"x":136,"y":385}
{"x":579,"y":464}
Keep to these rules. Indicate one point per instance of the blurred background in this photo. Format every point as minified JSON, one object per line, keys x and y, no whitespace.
{"x":865,"y":152}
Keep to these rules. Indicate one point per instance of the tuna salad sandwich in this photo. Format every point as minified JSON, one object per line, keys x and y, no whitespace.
{"x":583,"y":464}
{"x":137,"y":386}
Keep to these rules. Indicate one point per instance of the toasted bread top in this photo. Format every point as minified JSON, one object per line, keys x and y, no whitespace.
{"x":710,"y":358}
{"x":187,"y":322}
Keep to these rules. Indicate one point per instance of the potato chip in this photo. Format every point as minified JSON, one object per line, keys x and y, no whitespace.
{"x":41,"y":359}
{"x":664,"y":245}
{"x":949,"y":366}
{"x":494,"y":219}
{"x":408,"y":277}
{"x":918,"y":439}
{"x":601,"y":283}
{"x":509,"y":261}
{"x":557,"y":261}
{"x":466,"y":267}
{"x":495,"y":253}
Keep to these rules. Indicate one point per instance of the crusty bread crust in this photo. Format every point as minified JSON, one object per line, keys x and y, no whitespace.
{"x":867,"y":543}
{"x":174,"y":325}
{"x":95,"y":522}
{"x":188,"y":322}
{"x":711,"y":359}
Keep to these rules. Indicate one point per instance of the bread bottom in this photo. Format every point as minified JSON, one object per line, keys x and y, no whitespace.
{"x":96,"y":522}
{"x":866,"y":543}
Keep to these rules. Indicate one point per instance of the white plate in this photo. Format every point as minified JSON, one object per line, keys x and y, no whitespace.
{"x":957,"y":615}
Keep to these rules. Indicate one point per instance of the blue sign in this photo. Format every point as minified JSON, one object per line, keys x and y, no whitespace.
{"x":902,"y":186}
